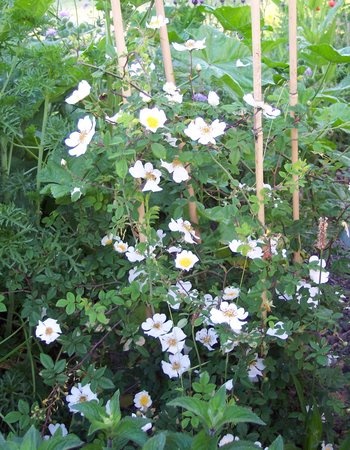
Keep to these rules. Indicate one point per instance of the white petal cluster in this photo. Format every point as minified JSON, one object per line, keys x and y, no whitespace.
{"x":185,"y":227}
{"x":180,"y":291}
{"x":152,"y":119}
{"x":229,"y":313}
{"x":185,"y":260}
{"x":318,"y":276}
{"x":142,"y":400}
{"x":157,"y":325}
{"x":78,"y":395}
{"x":148,"y":173}
{"x":79,"y":140}
{"x":207,"y":337}
{"x":177,"y":169}
{"x":157,"y":22}
{"x":231,"y":293}
{"x":177,"y":365}
{"x":213,"y":98}
{"x":48,"y":330}
{"x":79,"y":94}
{"x":269,"y":111}
{"x":172,"y":92}
{"x":204,"y":133}
{"x":174,"y":341}
{"x":277,"y":331}
{"x":249,"y":248}
{"x":256,"y":368}
{"x":190,"y":45}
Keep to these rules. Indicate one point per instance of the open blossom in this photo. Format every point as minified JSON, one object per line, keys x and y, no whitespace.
{"x":78,"y":395}
{"x":318,"y":276}
{"x":79,"y":94}
{"x":177,"y":169}
{"x":247,"y":248}
{"x":185,"y":260}
{"x":152,"y":119}
{"x":148,"y":173}
{"x":120,"y":246}
{"x":189,"y":45}
{"x":277,"y":331}
{"x":173,"y":342}
{"x":229,"y":313}
{"x":170,"y":140}
{"x":157,"y":22}
{"x":207,"y":337}
{"x":108,"y":239}
{"x":177,"y":365}
{"x":48,"y":330}
{"x":325,"y":446}
{"x":185,"y":227}
{"x":255,"y":369}
{"x":157,"y":325}
{"x":79,"y":140}
{"x":269,"y":111}
{"x":230,"y":293}
{"x":199,"y":130}
{"x":172,"y":92}
{"x":134,"y":255}
{"x":213,"y":98}
{"x":142,"y":400}
{"x":181,"y":290}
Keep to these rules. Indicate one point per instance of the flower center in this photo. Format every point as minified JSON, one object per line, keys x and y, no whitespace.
{"x":190,"y":44}
{"x":48,"y":331}
{"x":157,"y":325}
{"x":82,"y":136}
{"x":176,"y":163}
{"x":230,"y":313}
{"x":185,"y":261}
{"x":83,"y":398}
{"x":187,"y":226}
{"x":176,"y":365}
{"x":206,"y":129}
{"x":206,"y":340}
{"x":150,"y":176}
{"x":152,"y":122}
{"x":172,"y":342}
{"x":144,"y":401}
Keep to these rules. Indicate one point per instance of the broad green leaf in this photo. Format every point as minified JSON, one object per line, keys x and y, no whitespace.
{"x":194,"y":405}
{"x":46,"y":361}
{"x":31,"y":440}
{"x":91,"y":410}
{"x":121,"y":167}
{"x":12,"y":417}
{"x":241,"y":445}
{"x":329,"y":53}
{"x":277,"y":444}
{"x":28,"y":9}
{"x":203,"y":441}
{"x":180,"y":441}
{"x":233,"y":18}
{"x":158,"y":150}
{"x":313,"y":429}
{"x":345,"y":445}
{"x":130,"y":428}
{"x":157,"y":442}
{"x":237,"y":414}
{"x":61,"y":443}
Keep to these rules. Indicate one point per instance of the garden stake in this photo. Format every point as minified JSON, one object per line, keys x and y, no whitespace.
{"x":293,"y":100}
{"x":169,"y":76}
{"x":122,"y":65}
{"x":258,"y":131}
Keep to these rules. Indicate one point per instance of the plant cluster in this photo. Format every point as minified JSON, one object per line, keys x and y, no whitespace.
{"x":143,"y":303}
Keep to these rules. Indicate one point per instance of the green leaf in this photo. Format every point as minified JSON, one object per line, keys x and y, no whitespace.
{"x":23,"y":407}
{"x":237,"y":414}
{"x":46,"y":361}
{"x":277,"y":444}
{"x":91,"y":410}
{"x":345,"y":445}
{"x":157,"y":442}
{"x":158,"y":150}
{"x":130,"y":428}
{"x":67,"y":442}
{"x":332,"y":55}
{"x":194,"y":405}
{"x":121,"y":167}
{"x":203,"y":441}
{"x":241,"y":445}
{"x":233,"y":18}
{"x":12,"y":417}
{"x":31,"y":440}
{"x":313,"y":429}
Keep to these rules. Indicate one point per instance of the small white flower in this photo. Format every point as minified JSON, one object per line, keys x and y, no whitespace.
{"x":83,"y":91}
{"x":108,"y":239}
{"x":319,"y":276}
{"x":198,"y":67}
{"x":142,"y":400}
{"x":227,"y":439}
{"x":63,"y":162}
{"x":170,"y":140}
{"x":177,"y":169}
{"x":145,"y":97}
{"x":229,"y":313}
{"x":277,"y":331}
{"x":152,"y":119}
{"x":172,"y":92}
{"x":229,"y":385}
{"x":157,"y":22}
{"x":147,"y":172}
{"x":313,"y":292}
{"x":53,"y":428}
{"x":134,"y":255}
{"x":78,"y":395}
{"x":231,"y":293}
{"x":207,"y":337}
{"x":173,"y":342}
{"x":199,"y":130}
{"x":79,"y":140}
{"x":114,"y":119}
{"x":185,"y":260}
{"x":269,"y":111}
{"x":120,"y":246}
{"x":213,"y":98}
{"x":178,"y":365}
{"x":255,"y":369}
{"x":248,"y":248}
{"x":48,"y":330}
{"x":157,"y":325}
{"x":189,"y":45}
{"x":135,"y":69}
{"x":77,"y":191}
{"x":180,"y":291}
{"x":185,"y":227}
{"x":326,"y":446}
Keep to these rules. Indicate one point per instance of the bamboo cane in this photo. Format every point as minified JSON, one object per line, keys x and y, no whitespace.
{"x":258,"y":132}
{"x":122,"y":66}
{"x":293,"y":101}
{"x":169,"y":76}
{"x":120,"y":43}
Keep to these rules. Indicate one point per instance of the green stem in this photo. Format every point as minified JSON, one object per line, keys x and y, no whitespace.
{"x":196,"y":348}
{"x":10,"y":311}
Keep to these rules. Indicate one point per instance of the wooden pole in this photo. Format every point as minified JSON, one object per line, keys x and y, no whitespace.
{"x":257,"y":93}
{"x":164,"y":43}
{"x":293,"y":101}
{"x":120,"y":43}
